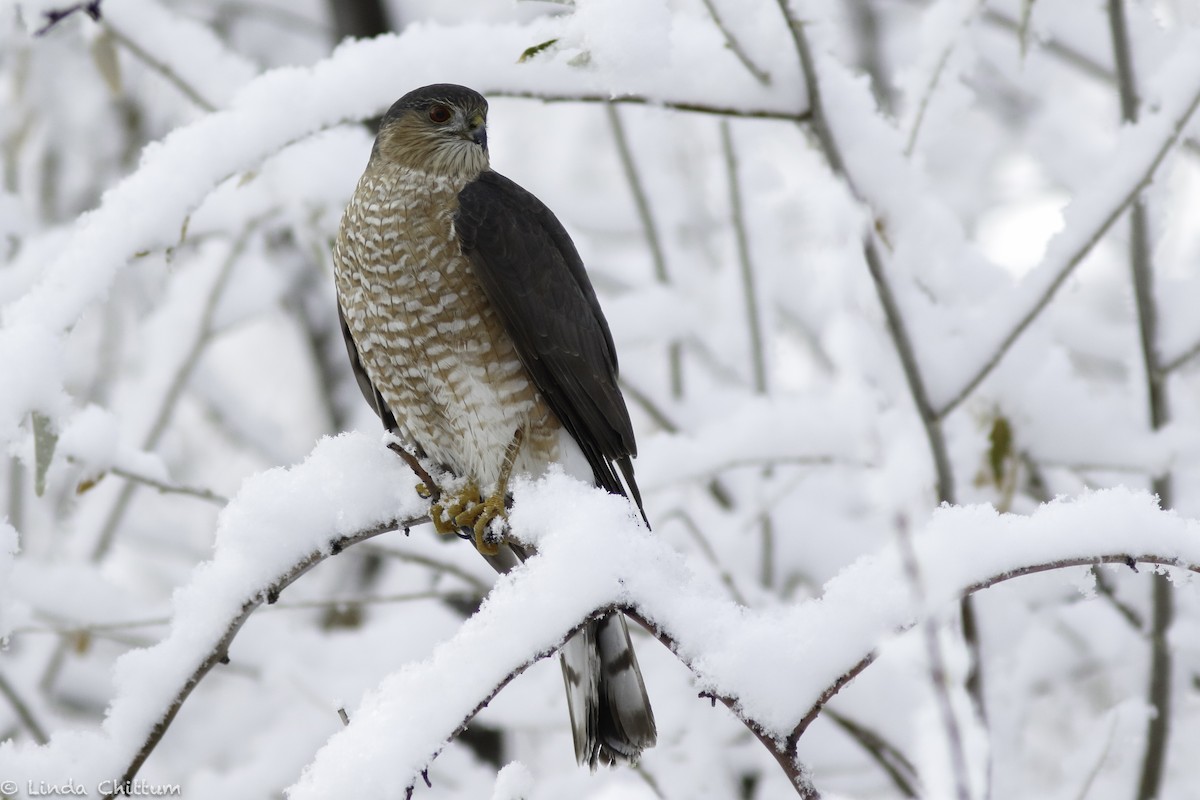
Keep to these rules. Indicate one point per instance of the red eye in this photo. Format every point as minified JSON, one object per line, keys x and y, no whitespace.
{"x":439,"y":113}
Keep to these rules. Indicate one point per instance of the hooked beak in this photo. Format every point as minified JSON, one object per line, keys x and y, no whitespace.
{"x":477,"y":132}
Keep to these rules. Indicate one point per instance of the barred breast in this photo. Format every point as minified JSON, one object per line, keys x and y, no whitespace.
{"x":426,"y":334}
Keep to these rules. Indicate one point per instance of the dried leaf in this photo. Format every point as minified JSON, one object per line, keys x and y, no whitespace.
{"x":1000,"y":450}
{"x":104,"y":56}
{"x":530,"y":52}
{"x":44,"y":442}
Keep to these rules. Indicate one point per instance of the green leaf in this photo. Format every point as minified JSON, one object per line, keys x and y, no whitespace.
{"x":44,"y":442}
{"x":530,"y":52}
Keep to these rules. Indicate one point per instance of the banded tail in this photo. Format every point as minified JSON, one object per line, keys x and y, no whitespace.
{"x":611,"y":718}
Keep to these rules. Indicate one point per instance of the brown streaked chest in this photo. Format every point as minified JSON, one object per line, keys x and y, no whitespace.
{"x":426,"y":333}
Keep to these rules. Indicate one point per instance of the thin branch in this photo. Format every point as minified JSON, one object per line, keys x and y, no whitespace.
{"x":160,"y":67}
{"x":371,"y":600}
{"x":754,"y":320}
{"x":707,"y":550}
{"x":796,"y":773}
{"x":1063,"y":270}
{"x":800,"y":115}
{"x":171,"y":488}
{"x":758,"y":355}
{"x":1181,"y":359}
{"x":1163,"y":608}
{"x":179,"y":380}
{"x":722,"y":495}
{"x":56,"y":15}
{"x":220,"y":651}
{"x":434,"y":564}
{"x":935,"y":80}
{"x":884,"y":753}
{"x":1105,"y":589}
{"x":898,"y":331}
{"x":641,"y":202}
{"x":938,"y":675}
{"x":762,"y":76}
{"x":23,"y":712}
{"x":896,"y":326}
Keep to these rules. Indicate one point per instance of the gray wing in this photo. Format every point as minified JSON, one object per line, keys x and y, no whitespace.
{"x":535,"y":280}
{"x":372,"y":395}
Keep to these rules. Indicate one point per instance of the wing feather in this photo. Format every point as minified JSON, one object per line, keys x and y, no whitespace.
{"x":535,"y":280}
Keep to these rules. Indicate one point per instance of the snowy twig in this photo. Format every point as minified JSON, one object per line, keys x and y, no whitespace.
{"x":650,"y":230}
{"x":1105,"y":589}
{"x":754,"y":317}
{"x":796,"y":773}
{"x":220,"y":652}
{"x":800,"y":115}
{"x":938,"y":676}
{"x":418,"y":469}
{"x":166,"y":408}
{"x":22,"y":710}
{"x":57,"y":15}
{"x":161,"y":67}
{"x":166,"y":487}
{"x":754,"y":322}
{"x":896,"y":325}
{"x":732,"y":43}
{"x":897,"y":330}
{"x":444,"y":567}
{"x":1068,"y":249}
{"x":935,"y":80}
{"x":1159,"y":693}
{"x":883,"y":752}
{"x":707,"y":551}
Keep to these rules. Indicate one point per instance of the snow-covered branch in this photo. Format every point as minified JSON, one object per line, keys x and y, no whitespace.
{"x":593,"y":556}
{"x":281,"y":524}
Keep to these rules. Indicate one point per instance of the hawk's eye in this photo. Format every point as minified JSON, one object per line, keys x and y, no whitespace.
{"x":439,"y":113}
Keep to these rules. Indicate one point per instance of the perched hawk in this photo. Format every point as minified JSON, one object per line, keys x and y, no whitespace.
{"x":475,"y":334}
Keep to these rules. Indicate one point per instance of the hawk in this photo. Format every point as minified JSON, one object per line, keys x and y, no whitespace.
{"x":476,"y":336}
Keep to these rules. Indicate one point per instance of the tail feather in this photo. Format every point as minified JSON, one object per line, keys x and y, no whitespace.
{"x":611,"y":718}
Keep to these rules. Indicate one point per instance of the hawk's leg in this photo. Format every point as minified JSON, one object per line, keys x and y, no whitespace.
{"x":488,"y":520}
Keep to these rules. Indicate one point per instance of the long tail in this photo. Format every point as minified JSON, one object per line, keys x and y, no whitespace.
{"x":611,"y":718}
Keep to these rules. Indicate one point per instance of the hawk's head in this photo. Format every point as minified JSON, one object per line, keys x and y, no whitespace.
{"x":439,"y":128}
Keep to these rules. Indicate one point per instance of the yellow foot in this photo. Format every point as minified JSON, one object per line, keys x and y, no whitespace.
{"x":445,"y":515}
{"x":487,"y":521}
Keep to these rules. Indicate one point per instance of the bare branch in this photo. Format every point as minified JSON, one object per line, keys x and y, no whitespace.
{"x":938,"y":676}
{"x":166,"y":408}
{"x":57,"y":15}
{"x":650,"y":230}
{"x":434,"y":564}
{"x":884,"y":753}
{"x":732,"y":43}
{"x":754,"y":321}
{"x":800,"y":115}
{"x":161,"y":67}
{"x":1060,"y":265}
{"x":1163,"y":610}
{"x":22,"y":710}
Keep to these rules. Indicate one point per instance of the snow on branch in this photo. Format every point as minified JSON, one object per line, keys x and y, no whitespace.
{"x":775,"y":667}
{"x":281,"y":524}
{"x":148,"y":209}
{"x":1170,"y":98}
